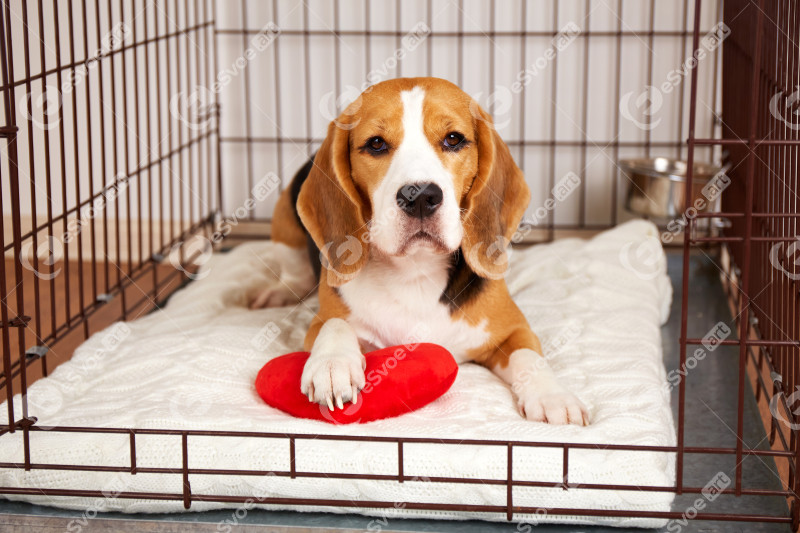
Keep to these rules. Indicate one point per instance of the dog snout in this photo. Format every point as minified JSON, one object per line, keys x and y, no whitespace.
{"x":420,"y":200}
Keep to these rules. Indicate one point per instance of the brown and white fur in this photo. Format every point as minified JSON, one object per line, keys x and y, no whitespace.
{"x":398,"y":268}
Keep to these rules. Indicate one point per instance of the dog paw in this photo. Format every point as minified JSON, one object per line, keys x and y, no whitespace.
{"x":557,"y":406}
{"x":333,"y":379}
{"x":277,"y":296}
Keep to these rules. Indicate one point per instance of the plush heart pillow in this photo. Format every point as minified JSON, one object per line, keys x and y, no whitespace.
{"x":400,"y":379}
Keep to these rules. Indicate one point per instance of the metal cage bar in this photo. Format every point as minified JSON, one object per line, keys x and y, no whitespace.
{"x":72,"y":170}
{"x":166,"y":170}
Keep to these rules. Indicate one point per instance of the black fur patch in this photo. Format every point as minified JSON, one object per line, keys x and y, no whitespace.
{"x":463,"y":284}
{"x":313,"y":254}
{"x":297,"y":182}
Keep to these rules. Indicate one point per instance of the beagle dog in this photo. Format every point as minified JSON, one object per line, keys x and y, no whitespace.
{"x":404,"y":216}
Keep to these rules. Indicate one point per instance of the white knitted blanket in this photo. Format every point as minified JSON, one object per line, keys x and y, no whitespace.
{"x":597,"y":306}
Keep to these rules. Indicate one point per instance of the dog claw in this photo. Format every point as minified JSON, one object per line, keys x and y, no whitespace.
{"x":354,"y":399}
{"x":330,"y":403}
{"x":339,"y":403}
{"x":311,"y":393}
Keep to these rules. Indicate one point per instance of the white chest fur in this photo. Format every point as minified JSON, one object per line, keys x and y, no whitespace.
{"x":395,"y":301}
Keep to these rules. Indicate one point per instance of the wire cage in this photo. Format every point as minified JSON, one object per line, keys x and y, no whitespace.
{"x":131,"y":126}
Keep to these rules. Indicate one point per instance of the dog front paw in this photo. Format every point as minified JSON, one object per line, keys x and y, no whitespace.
{"x":556,"y":406}
{"x":334,"y":378}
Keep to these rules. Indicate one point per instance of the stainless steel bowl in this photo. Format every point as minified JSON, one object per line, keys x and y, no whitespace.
{"x":657,"y":186}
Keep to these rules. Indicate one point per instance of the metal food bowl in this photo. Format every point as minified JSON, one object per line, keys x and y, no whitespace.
{"x":657,"y":186}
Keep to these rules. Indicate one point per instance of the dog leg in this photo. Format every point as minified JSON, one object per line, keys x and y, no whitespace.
{"x":540,"y":396}
{"x":297,"y":279}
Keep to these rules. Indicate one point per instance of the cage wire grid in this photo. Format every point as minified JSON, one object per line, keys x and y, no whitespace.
{"x":173,"y":115}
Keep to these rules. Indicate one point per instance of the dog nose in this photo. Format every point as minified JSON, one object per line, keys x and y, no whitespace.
{"x":420,"y":200}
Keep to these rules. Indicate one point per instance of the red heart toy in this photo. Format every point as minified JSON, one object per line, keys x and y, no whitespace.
{"x":399,"y":379}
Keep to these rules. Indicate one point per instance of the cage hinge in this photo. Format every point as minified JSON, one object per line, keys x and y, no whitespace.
{"x":36,"y":352}
{"x":157,"y":258}
{"x":104,"y":297}
{"x":8,"y":131}
{"x":17,"y":322}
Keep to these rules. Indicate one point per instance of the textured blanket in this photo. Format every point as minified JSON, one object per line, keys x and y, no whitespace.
{"x":597,"y":305}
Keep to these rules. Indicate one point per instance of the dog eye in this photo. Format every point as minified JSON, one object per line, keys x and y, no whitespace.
{"x":376,"y":145}
{"x":452,"y":141}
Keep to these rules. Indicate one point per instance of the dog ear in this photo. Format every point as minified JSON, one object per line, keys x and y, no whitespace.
{"x":332,"y":209}
{"x":495,"y":203}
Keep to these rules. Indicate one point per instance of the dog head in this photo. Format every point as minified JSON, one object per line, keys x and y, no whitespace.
{"x":413,"y":165}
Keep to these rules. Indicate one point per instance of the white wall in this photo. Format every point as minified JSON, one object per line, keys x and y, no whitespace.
{"x":303,"y":101}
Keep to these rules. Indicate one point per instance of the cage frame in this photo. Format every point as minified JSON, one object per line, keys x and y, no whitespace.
{"x":755,"y":345}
